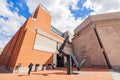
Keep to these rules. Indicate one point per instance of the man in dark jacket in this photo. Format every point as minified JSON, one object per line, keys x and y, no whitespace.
{"x":30,"y":68}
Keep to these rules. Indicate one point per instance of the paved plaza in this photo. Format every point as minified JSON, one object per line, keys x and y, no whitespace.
{"x":60,"y":74}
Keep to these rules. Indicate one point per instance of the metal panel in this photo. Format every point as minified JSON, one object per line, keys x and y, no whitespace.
{"x":44,"y":43}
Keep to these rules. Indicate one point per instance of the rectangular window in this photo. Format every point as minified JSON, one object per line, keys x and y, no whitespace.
{"x":56,"y":31}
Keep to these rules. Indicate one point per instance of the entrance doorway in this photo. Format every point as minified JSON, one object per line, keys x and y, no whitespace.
{"x":60,"y":61}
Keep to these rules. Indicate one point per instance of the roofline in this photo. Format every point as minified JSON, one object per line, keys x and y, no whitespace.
{"x":40,"y":5}
{"x":98,"y":17}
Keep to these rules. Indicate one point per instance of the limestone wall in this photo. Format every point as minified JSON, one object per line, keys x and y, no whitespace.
{"x":110,"y":38}
{"x":86,"y":44}
{"x":105,"y":39}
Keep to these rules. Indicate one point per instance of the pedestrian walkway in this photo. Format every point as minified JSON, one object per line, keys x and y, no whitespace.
{"x":115,"y":75}
{"x":59,"y":74}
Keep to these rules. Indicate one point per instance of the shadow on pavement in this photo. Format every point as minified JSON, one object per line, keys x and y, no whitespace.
{"x":47,"y":74}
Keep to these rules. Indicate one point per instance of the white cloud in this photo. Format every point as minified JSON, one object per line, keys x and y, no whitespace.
{"x":11,"y":25}
{"x":11,"y":4}
{"x":62,"y":18}
{"x":103,"y":6}
{"x":16,"y":9}
{"x":59,"y":9}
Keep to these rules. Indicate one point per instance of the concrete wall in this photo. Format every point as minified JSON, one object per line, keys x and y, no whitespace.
{"x":97,"y":18}
{"x":109,"y":33}
{"x":106,"y":39}
{"x":86,"y":45}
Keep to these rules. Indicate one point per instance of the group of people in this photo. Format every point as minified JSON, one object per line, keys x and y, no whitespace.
{"x":36,"y":67}
{"x":29,"y":66}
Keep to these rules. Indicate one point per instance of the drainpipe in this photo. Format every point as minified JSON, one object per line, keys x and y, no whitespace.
{"x":104,"y":53}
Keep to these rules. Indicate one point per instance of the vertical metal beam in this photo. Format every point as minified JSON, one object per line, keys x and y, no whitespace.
{"x":69,"y":59}
{"x":69,"y":65}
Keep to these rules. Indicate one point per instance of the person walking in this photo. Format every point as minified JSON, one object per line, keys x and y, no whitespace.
{"x":30,"y":68}
{"x":17,"y":67}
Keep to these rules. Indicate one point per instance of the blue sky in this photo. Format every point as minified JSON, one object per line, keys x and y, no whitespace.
{"x":23,"y":8}
{"x":68,"y":13}
{"x":21,"y":5}
{"x":82,"y":12}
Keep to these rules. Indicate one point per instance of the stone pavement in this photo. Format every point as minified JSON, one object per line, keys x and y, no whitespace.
{"x":115,"y":75}
{"x":59,"y":74}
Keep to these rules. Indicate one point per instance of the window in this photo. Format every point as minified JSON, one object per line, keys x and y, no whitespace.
{"x":53,"y":29}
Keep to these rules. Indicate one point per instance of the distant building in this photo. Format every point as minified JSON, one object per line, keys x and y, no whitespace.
{"x":98,"y":38}
{"x":36,"y":41}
